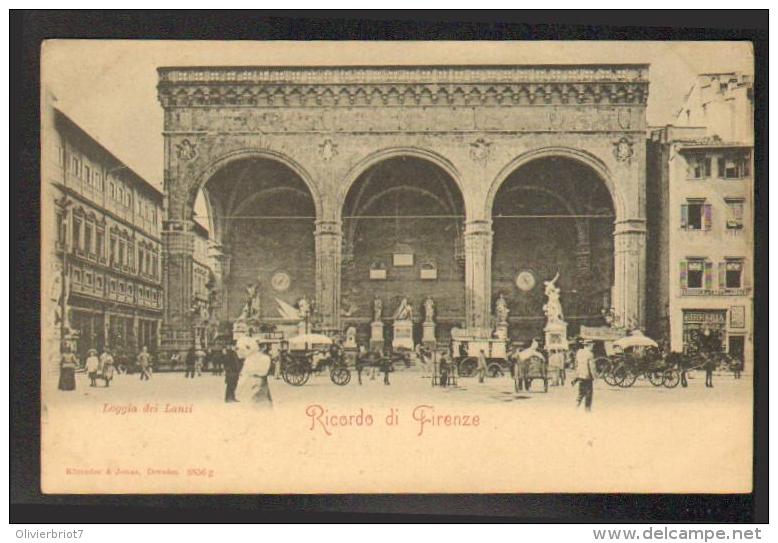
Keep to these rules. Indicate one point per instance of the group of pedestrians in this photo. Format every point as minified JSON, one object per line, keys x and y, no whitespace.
{"x":102,"y":367}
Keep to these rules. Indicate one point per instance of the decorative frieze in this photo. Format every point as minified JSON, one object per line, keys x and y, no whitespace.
{"x":412,"y":86}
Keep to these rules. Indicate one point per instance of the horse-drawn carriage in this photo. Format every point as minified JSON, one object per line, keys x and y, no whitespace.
{"x":529,"y":368}
{"x":306,"y":354}
{"x":466,"y":349}
{"x":636,"y":356}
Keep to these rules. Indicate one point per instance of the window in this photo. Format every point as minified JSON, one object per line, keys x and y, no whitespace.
{"x":98,"y":181}
{"x":88,"y":174}
{"x":75,"y":165}
{"x":699,"y":167}
{"x":88,"y":238}
{"x":696,"y":215}
{"x":77,"y":234}
{"x":120,"y":195}
{"x":99,"y":282}
{"x":100,"y":242}
{"x":114,"y":254}
{"x":121,"y":254}
{"x":77,"y":275}
{"x":734,"y":166}
{"x":731,"y":273}
{"x":89,"y":279}
{"x":112,"y":190}
{"x":113,"y":285}
{"x":61,"y":228}
{"x":736,"y":206}
{"x":141,"y":263}
{"x":131,"y":255}
{"x":154,"y":266}
{"x":129,"y":290}
{"x":696,"y":273}
{"x":121,"y":288}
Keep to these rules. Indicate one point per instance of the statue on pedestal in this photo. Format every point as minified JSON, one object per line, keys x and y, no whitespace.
{"x":251,"y":308}
{"x":404,"y":311}
{"x":378,"y":307}
{"x":553,"y":307}
{"x":429,"y":309}
{"x":501,"y":309}
{"x":304,"y":308}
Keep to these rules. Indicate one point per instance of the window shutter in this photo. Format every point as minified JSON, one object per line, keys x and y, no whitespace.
{"x":707,"y":211}
{"x":708,"y":275}
{"x":683,"y":274}
{"x":745,"y":275}
{"x":684,"y":215}
{"x":722,"y":275}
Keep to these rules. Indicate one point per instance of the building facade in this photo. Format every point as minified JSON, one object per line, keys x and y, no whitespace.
{"x":704,"y":221}
{"x":203,"y":288}
{"x":343,"y":185}
{"x":102,"y":248}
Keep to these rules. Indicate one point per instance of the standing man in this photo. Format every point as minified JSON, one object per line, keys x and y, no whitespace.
{"x":585,"y":373}
{"x":386,"y":367}
{"x":190,"y":362}
{"x":144,"y":361}
{"x":199,"y":360}
{"x":481,"y":366}
{"x":444,"y":367}
{"x":232,"y":368}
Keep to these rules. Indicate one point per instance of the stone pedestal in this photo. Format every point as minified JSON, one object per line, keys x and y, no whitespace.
{"x":428,"y":334}
{"x":376,"y":336}
{"x":403,"y":335}
{"x":501,"y":330}
{"x":556,"y":336}
{"x":302,"y":328}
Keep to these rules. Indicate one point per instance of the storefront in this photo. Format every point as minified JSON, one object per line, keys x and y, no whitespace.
{"x":704,"y":330}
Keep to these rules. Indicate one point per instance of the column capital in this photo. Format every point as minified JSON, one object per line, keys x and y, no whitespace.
{"x":629,"y":226}
{"x":478,"y":228}
{"x":327,"y":228}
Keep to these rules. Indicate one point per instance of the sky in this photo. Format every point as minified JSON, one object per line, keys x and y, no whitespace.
{"x":109,"y":86}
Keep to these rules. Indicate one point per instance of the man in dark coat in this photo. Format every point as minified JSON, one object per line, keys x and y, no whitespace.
{"x":232,"y":368}
{"x":191,"y":358}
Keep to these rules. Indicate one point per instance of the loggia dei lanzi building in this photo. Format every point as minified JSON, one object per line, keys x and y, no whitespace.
{"x":344,"y":185}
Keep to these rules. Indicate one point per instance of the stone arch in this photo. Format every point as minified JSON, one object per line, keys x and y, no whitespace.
{"x":394,"y":152}
{"x":241,"y":154}
{"x":584,"y":157}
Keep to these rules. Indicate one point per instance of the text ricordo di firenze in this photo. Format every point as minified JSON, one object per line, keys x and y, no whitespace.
{"x":424,"y":418}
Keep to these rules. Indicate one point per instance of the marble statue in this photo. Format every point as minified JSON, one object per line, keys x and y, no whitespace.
{"x":404,"y":311}
{"x":251,"y":309}
{"x":553,"y":307}
{"x":501,"y":309}
{"x":304,"y":308}
{"x":429,"y":309}
{"x":378,"y":307}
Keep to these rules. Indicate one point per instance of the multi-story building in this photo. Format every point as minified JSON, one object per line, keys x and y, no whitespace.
{"x":702,"y":242}
{"x":102,"y":257}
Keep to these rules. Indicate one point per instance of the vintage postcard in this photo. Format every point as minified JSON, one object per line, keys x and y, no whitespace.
{"x":407,"y":267}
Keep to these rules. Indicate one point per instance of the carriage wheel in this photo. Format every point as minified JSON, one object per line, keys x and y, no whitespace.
{"x":623,"y":377}
{"x":340,"y":376}
{"x":656,"y":377}
{"x":467,"y":367}
{"x":613,"y":375}
{"x":604,"y":367}
{"x":671,"y":378}
{"x":494,"y":370}
{"x":295,"y":376}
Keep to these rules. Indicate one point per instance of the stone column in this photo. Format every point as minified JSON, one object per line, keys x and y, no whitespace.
{"x":222,"y":257}
{"x":328,"y":257}
{"x":629,"y":282}
{"x":478,"y":273}
{"x":178,"y":240}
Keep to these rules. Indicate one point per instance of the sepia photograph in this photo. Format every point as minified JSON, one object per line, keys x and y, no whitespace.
{"x":274,"y":267}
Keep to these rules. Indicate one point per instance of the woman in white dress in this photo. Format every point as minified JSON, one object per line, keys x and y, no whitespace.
{"x":252,"y":384}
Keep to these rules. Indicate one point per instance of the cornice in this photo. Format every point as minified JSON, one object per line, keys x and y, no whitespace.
{"x":405,"y":86}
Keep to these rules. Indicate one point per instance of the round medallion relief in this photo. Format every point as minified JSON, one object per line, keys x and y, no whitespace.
{"x":280,"y":281}
{"x":525,"y":280}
